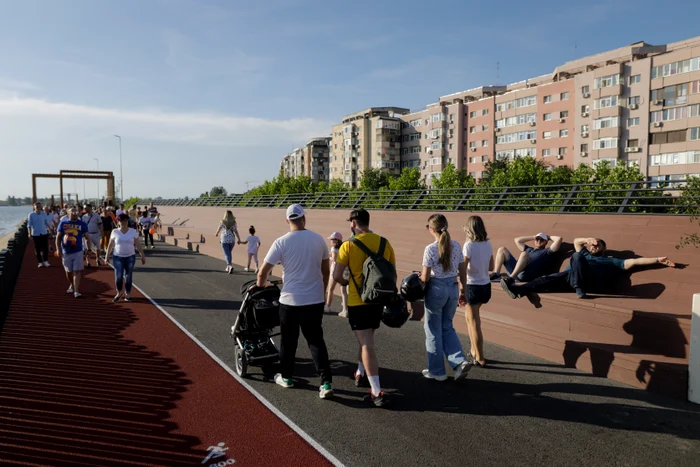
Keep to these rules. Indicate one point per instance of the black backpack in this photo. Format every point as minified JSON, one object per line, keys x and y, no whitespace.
{"x":378,"y":275}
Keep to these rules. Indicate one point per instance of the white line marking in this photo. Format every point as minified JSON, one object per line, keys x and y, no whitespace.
{"x":331,"y":458}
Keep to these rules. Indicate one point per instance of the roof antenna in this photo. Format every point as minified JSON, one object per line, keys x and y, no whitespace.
{"x":498,"y":71}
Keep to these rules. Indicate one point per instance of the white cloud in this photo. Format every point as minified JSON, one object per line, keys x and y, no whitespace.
{"x":8,"y":84}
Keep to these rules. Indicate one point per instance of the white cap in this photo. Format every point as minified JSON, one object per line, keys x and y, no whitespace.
{"x":295,"y":211}
{"x":543,"y":236}
{"x":336,"y":236}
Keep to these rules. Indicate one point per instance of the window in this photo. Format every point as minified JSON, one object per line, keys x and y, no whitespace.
{"x":547,"y":117}
{"x":484,"y":143}
{"x":564,"y":96}
{"x":564,"y":114}
{"x":612,"y":161}
{"x":690,"y":157}
{"x":669,"y":137}
{"x":546,"y":152}
{"x":415,"y":150}
{"x":517,"y":120}
{"x":585,"y":89}
{"x":585,"y":109}
{"x":472,"y":114}
{"x":584,"y":147}
{"x":452,"y":132}
{"x":633,"y":121}
{"x":695,"y":87}
{"x":472,"y":174}
{"x":415,"y":123}
{"x":605,"y":122}
{"x":563,"y":133}
{"x":546,"y":134}
{"x":605,"y":143}
{"x":485,"y":112}
{"x":472,"y":160}
{"x":452,"y":118}
{"x":451,"y":146}
{"x":694,"y":134}
{"x":472,"y":129}
{"x":670,"y":69}
{"x":671,"y":95}
{"x":606,"y":81}
{"x":676,"y":113}
{"x":563,"y":151}
{"x":485,"y":127}
{"x":547,"y":99}
{"x":436,"y":161}
{"x":605,"y":102}
{"x":519,"y":136}
{"x":632,"y":143}
{"x":516,"y":103}
{"x":472,"y":144}
{"x":634,"y":101}
{"x":484,"y":159}
{"x":634,"y":79}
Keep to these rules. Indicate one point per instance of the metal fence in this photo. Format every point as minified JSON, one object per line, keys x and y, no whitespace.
{"x":623,"y":197}
{"x":10,"y":264}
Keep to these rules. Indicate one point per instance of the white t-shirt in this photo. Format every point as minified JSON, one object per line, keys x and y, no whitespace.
{"x":124,"y":242}
{"x":252,"y":244}
{"x":120,"y":211}
{"x":479,"y":254}
{"x":431,"y":259}
{"x":300,"y":253}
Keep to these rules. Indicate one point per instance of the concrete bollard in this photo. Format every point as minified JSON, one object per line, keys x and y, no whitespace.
{"x":694,"y":359}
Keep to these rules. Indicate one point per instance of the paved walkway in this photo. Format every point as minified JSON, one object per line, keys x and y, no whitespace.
{"x":92,"y":383}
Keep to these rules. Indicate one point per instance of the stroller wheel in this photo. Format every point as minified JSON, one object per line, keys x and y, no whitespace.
{"x":241,"y":362}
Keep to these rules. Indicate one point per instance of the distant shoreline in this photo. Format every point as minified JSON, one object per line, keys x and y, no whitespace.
{"x":6,"y":238}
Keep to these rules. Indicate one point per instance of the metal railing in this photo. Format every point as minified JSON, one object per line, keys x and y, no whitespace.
{"x":614,"y":197}
{"x":10,"y":264}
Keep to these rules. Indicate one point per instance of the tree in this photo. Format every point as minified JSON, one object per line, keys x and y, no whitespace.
{"x":218,"y":191}
{"x":690,"y":204}
{"x":453,"y":178}
{"x":374,"y":179}
{"x":410,"y":179}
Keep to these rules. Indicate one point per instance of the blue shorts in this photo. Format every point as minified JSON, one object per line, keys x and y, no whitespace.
{"x":510,"y":263}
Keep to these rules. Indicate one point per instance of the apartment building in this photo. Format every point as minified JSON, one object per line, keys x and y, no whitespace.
{"x":367,"y":139}
{"x":311,"y":160}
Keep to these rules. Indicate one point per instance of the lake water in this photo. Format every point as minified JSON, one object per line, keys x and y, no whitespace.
{"x":10,"y":216}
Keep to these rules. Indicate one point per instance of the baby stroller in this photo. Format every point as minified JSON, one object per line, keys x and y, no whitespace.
{"x":253,"y":330}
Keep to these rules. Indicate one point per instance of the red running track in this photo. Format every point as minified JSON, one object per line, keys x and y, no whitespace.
{"x":86,"y":382}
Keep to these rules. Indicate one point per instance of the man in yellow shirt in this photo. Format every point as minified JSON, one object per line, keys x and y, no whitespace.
{"x":364,"y":318}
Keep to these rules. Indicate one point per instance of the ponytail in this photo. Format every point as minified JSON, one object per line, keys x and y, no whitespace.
{"x":445,"y":250}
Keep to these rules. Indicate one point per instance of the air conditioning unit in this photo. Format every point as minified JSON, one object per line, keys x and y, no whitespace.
{"x":586,"y":95}
{"x":583,"y":154}
{"x":633,"y":149}
{"x":634,"y":106}
{"x":497,"y":130}
{"x":584,"y":134}
{"x":658,"y":124}
{"x":473,"y":149}
{"x":658,"y":102}
{"x":533,"y":123}
{"x":561,"y":120}
{"x":533,"y":141}
{"x":584,"y":114}
{"x":560,"y":157}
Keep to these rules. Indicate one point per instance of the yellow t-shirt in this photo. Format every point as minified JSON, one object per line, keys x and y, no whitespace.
{"x":351,"y":255}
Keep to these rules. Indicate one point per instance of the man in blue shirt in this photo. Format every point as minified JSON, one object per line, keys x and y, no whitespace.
{"x":69,"y":244}
{"x":531,"y":263}
{"x":38,"y":224}
{"x":589,"y":270}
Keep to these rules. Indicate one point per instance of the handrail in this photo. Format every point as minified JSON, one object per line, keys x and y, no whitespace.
{"x":629,"y":197}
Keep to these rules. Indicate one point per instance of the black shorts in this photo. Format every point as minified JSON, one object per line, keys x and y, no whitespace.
{"x":363,"y":317}
{"x":478,"y":294}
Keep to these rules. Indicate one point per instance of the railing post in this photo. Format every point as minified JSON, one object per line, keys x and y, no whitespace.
{"x":393,"y":197}
{"x":466,"y":196}
{"x":500,"y":199}
{"x":340,"y":201}
{"x":318,"y":198}
{"x":569,"y":198}
{"x":631,"y":191}
{"x":272,"y":201}
{"x":359,"y":200}
{"x":418,"y":200}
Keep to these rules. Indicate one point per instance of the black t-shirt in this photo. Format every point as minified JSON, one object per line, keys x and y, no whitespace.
{"x":107,"y":223}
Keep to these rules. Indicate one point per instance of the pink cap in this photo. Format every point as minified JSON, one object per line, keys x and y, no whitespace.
{"x":336,"y":236}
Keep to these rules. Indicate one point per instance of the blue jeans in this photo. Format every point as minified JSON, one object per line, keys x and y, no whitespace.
{"x":228,"y":248}
{"x":441,"y":338}
{"x":123,"y":269}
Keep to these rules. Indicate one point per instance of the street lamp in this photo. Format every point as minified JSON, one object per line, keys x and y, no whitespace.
{"x":98,"y":180}
{"x":121,"y":174}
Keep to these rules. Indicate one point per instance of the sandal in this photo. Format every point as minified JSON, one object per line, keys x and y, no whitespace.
{"x":474,"y":361}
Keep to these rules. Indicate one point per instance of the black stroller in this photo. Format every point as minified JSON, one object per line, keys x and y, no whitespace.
{"x":253,"y":329}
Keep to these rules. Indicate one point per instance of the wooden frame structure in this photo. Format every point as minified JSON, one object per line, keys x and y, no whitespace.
{"x":77,"y":174}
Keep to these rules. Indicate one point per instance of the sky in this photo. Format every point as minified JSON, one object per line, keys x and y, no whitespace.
{"x":214,"y":92}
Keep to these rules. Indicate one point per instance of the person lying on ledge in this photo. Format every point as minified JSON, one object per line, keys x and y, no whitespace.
{"x":588,"y":271}
{"x":531,"y":263}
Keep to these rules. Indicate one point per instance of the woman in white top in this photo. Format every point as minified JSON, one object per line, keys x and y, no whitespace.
{"x":124,"y":241}
{"x":445,"y":276}
{"x":228,"y":232}
{"x":478,"y":256}
{"x":336,"y":239}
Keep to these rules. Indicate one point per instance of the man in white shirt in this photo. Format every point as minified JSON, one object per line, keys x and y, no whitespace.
{"x":96,"y":231}
{"x":306,"y":268}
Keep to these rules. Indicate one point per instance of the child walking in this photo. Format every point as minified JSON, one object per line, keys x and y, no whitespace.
{"x":253,"y":243}
{"x":336,"y":239}
{"x":478,"y":255}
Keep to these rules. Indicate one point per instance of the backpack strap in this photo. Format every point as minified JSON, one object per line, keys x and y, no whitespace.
{"x":364,"y":248}
{"x":382,"y":247}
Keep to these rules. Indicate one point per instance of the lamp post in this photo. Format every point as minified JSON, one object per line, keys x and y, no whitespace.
{"x":121,"y":174}
{"x":98,"y":180}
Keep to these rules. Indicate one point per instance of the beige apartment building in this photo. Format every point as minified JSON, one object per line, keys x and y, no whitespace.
{"x":367,"y":139}
{"x":311,"y":160}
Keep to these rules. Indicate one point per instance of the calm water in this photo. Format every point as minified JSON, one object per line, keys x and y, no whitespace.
{"x":10,"y":216}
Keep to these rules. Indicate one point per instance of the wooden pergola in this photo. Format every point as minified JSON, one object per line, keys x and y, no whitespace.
{"x":77,"y":174}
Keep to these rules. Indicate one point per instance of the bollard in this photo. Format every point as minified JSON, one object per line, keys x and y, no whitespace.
{"x":694,"y":359}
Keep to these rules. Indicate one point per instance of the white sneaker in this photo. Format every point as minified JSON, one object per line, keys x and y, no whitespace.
{"x":70,"y":290}
{"x":256,"y":270}
{"x":285,"y":383}
{"x":343,"y":314}
{"x":46,"y":264}
{"x":40,"y":265}
{"x":228,"y":269}
{"x":462,"y":370}
{"x":326,"y":309}
{"x":426,"y":374}
{"x":246,"y":269}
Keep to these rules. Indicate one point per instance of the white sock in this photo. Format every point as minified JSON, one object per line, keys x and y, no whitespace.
{"x":374,"y":383}
{"x":361,"y":368}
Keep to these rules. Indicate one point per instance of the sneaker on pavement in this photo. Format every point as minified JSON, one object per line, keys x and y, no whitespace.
{"x":581,"y":294}
{"x":127,"y":298}
{"x":462,"y":370}
{"x":325,"y":391}
{"x":508,"y":289}
{"x":427,"y":374}
{"x":46,"y":264}
{"x":326,"y":309}
{"x":230,"y":269}
{"x":379,"y":400}
{"x":40,"y":265}
{"x":77,"y":295}
{"x":70,"y":290}
{"x":285,"y":383}
{"x":246,"y":269}
{"x":116,"y":298}
{"x":343,"y":314}
{"x":361,"y":381}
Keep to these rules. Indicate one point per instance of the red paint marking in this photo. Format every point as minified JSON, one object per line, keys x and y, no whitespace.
{"x":89,"y":382}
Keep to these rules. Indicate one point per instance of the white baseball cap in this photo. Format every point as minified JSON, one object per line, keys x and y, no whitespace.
{"x":543,"y":236}
{"x":295,"y":211}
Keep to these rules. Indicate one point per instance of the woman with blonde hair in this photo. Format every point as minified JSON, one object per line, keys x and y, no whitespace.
{"x":445,"y":275}
{"x":478,"y":256}
{"x":228,"y":232}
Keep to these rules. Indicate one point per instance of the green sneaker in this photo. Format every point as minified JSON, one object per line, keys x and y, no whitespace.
{"x":285,"y":383}
{"x":325,"y":391}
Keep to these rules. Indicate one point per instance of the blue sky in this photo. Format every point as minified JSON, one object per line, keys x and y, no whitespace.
{"x":214,"y":92}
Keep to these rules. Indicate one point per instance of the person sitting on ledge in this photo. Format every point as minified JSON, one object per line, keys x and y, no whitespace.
{"x":588,"y":271}
{"x":531,"y":263}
